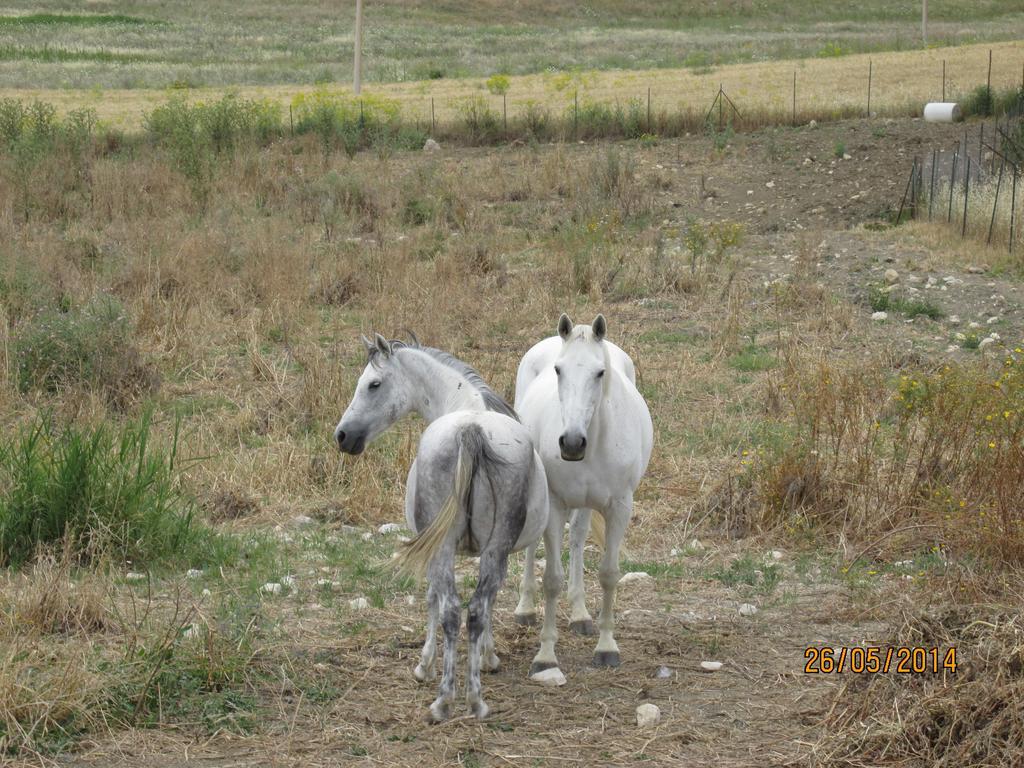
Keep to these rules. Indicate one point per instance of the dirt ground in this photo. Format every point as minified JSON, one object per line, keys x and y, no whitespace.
{"x":804,"y":207}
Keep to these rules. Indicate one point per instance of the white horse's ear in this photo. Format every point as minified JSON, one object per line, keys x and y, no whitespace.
{"x":369,"y":345}
{"x":599,"y":327}
{"x":383,"y":346}
{"x":564,"y":326}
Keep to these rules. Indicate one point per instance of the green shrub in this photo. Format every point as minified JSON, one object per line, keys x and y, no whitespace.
{"x":91,"y":346}
{"x":979,"y":102}
{"x":107,"y":493}
{"x":479,"y":120}
{"x":338,"y":119}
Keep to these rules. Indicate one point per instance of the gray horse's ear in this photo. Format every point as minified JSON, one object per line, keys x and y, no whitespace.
{"x":367,"y":343}
{"x":599,"y":327}
{"x":383,"y":346}
{"x":564,"y":326}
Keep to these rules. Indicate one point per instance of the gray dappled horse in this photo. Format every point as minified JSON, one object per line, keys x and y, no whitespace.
{"x":476,"y":487}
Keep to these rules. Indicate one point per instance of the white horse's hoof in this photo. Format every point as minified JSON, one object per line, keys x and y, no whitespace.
{"x":479,"y":709}
{"x":526,"y":619}
{"x":583,"y":627}
{"x":540,"y":666}
{"x":606,"y":659}
{"x":492,"y":664}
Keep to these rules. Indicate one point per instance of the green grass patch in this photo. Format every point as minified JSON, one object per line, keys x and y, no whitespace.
{"x":106,"y":491}
{"x":750,"y":572}
{"x":753,"y":358}
{"x":75,"y":20}
{"x":54,"y":55}
{"x":911,"y":308}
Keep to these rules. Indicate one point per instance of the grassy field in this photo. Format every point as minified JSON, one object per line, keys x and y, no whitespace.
{"x":130,"y":45}
{"x":190,"y":570}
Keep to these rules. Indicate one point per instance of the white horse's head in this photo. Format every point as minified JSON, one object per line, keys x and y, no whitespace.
{"x":581,"y":368}
{"x":381,"y":398}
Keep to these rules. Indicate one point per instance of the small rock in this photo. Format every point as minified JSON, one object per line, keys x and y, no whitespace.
{"x":389,"y":528}
{"x":812,"y":124}
{"x":133,"y":576}
{"x":193,"y":573}
{"x":954,"y":320}
{"x":880,"y":316}
{"x":711,"y":666}
{"x":747,"y":609}
{"x":891,"y":275}
{"x":271,"y":588}
{"x":302,"y":521}
{"x":770,"y":184}
{"x":635,"y":577}
{"x":663,"y":673}
{"x":993,"y":320}
{"x":847,"y":157}
{"x":431,"y":146}
{"x":366,"y":536}
{"x":673,"y":552}
{"x":986,"y":342}
{"x":288,"y":581}
{"x":552,"y":677}
{"x":647,"y":716}
{"x":975,"y":270}
{"x":696,"y":546}
{"x":973,"y":325}
{"x":206,"y":593}
{"x":359,"y":604}
{"x":775,"y":554}
{"x":410,"y":599}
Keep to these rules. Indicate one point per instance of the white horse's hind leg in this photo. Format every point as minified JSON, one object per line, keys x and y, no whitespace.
{"x":478,"y":620}
{"x":427,"y":669}
{"x":553,"y":579}
{"x":580,"y":621}
{"x":526,"y":613}
{"x":616,"y":517}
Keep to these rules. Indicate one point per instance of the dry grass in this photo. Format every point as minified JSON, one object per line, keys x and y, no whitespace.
{"x":902,"y":81}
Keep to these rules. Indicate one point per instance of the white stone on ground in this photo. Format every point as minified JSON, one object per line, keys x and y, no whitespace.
{"x":410,"y":599}
{"x":359,"y":604}
{"x":366,"y":536}
{"x":271,"y":588}
{"x":880,"y":316}
{"x":389,"y":528}
{"x":431,"y":146}
{"x":635,"y":577}
{"x":891,"y":275}
{"x":775,"y":554}
{"x":302,"y":521}
{"x":647,"y":716}
{"x":748,"y":609}
{"x":696,"y":546}
{"x":206,"y":593}
{"x":133,"y":576}
{"x":663,"y":673}
{"x":193,"y":573}
{"x":288,"y":581}
{"x":551,"y":677}
{"x":711,"y":666}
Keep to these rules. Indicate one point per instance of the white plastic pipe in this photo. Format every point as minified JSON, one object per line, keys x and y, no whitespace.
{"x":943,"y":112}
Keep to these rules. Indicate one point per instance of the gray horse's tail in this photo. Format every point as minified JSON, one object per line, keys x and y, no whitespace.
{"x":474,"y":453}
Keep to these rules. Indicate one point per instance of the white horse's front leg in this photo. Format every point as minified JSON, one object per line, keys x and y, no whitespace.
{"x":616,"y":517}
{"x":526,"y":613}
{"x":553,"y":579}
{"x":580,"y":621}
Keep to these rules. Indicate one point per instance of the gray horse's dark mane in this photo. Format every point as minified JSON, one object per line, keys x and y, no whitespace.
{"x":492,"y":400}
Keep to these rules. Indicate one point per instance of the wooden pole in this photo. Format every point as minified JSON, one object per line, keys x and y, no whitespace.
{"x":967,"y":192}
{"x":357,"y":66}
{"x":794,"y":97}
{"x":869,"y":86}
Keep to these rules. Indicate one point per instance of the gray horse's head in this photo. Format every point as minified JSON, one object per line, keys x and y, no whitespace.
{"x":381,"y":398}
{"x":581,"y":368}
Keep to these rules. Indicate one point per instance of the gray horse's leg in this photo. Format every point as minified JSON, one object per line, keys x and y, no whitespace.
{"x":616,"y":517}
{"x":553,"y":579}
{"x":478,"y":620}
{"x":526,"y":612}
{"x":579,"y":618}
{"x":442,"y":577}
{"x":427,"y":669}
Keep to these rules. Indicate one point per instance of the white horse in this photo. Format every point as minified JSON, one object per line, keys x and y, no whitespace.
{"x":477,"y":486}
{"x":576,"y":394}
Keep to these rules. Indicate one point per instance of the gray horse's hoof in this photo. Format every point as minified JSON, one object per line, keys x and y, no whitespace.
{"x":606,"y":659}
{"x":583,"y":627}
{"x":526,"y":619}
{"x":540,"y":666}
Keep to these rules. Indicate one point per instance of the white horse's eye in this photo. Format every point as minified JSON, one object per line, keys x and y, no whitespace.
{"x":374,"y":385}
{"x":558,"y":371}
{"x":600,"y":374}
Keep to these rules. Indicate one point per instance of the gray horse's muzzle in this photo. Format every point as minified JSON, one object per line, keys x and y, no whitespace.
{"x":351,"y":441}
